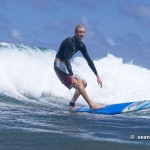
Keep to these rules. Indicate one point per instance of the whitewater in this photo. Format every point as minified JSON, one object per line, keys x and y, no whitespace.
{"x":28,"y":71}
{"x":34,"y":104}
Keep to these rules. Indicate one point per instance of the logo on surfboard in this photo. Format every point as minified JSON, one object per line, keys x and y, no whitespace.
{"x":137,"y":106}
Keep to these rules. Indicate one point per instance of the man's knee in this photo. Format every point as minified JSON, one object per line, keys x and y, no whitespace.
{"x":80,"y":84}
{"x":84,"y":83}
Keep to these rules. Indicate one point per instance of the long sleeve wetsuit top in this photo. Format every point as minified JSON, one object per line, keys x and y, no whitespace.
{"x":68,"y":48}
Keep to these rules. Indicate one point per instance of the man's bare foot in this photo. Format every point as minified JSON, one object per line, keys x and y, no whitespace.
{"x":96,"y":106}
{"x":74,"y":107}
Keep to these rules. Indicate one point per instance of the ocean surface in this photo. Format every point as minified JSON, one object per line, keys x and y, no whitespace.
{"x":34,"y":104}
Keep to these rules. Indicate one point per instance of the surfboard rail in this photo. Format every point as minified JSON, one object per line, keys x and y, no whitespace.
{"x":117,"y":108}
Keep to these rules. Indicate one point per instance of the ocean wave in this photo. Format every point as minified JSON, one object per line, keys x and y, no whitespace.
{"x":27,"y":72}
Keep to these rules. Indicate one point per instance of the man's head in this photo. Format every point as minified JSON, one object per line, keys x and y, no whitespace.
{"x":79,"y":31}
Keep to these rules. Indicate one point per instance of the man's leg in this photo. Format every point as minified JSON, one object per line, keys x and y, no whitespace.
{"x":77,"y":93}
{"x":83,"y":92}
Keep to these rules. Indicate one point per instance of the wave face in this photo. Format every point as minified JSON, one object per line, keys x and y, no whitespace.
{"x":27,"y":72}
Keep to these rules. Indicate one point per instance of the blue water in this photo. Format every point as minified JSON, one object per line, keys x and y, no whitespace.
{"x":34,"y":104}
{"x":33,"y":125}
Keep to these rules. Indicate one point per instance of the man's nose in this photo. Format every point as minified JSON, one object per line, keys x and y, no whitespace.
{"x":82,"y":34}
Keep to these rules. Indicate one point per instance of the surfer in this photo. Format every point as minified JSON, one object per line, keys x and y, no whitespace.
{"x":63,"y":69}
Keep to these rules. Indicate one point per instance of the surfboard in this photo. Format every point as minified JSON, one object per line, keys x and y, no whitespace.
{"x":117,"y":108}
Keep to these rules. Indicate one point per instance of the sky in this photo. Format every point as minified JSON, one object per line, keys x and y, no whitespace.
{"x":118,"y":27}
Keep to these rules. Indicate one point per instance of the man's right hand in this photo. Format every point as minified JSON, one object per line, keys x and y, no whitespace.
{"x":74,"y":82}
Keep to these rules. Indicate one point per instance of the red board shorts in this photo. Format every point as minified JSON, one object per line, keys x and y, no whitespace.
{"x":62,"y":74}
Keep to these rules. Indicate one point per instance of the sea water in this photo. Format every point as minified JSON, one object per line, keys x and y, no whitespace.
{"x":34,"y":104}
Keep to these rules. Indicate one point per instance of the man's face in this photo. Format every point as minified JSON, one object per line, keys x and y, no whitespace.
{"x":80,"y":33}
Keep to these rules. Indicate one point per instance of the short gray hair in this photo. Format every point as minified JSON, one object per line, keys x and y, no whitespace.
{"x":79,"y":26}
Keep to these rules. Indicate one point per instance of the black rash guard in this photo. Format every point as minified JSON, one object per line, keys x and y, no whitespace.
{"x":68,"y":48}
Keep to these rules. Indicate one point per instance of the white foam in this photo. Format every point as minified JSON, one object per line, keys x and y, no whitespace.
{"x":28,"y":70}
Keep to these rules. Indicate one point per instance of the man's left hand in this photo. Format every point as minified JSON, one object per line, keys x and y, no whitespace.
{"x":99,"y":81}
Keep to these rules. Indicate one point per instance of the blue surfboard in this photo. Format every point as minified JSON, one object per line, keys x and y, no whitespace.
{"x":117,"y":108}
